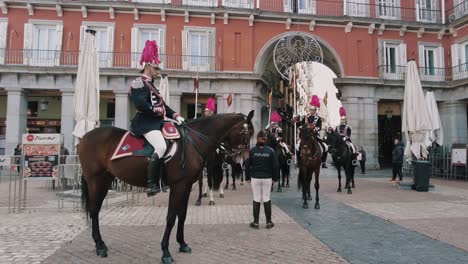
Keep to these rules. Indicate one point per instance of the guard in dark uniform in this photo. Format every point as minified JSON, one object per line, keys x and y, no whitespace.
{"x":345,"y":130}
{"x":151,"y":110}
{"x":313,"y":119}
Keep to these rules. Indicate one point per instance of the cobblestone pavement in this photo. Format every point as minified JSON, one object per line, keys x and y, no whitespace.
{"x":376,"y":224}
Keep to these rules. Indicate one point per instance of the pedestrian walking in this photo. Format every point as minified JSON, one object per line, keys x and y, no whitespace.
{"x":362,"y":159}
{"x":397,"y":161}
{"x":261,"y":169}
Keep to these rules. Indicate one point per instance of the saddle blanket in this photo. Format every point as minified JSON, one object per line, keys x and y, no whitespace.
{"x":131,"y":145}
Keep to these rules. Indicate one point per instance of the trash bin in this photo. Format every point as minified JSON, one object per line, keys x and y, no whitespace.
{"x":422,"y":171}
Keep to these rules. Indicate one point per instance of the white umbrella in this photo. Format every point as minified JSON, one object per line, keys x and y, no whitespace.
{"x":436,"y":134}
{"x":86,"y":98}
{"x":416,"y":121}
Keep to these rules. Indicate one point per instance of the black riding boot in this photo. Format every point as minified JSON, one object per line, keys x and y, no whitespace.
{"x":267,"y":206}
{"x":324,"y":160}
{"x":256,"y":213}
{"x":154,"y":175}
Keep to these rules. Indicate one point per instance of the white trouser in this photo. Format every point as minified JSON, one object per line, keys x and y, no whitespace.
{"x":285,"y":147}
{"x":261,"y":189}
{"x":156,"y":139}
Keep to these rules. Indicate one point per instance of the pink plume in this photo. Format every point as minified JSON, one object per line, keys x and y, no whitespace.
{"x":275,"y":117}
{"x":315,"y":101}
{"x":342,"y":111}
{"x":150,"y":53}
{"x":210,"y":104}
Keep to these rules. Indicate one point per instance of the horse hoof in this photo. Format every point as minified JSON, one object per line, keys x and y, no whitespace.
{"x":185,"y":249}
{"x":349,"y":191}
{"x":102,"y":253}
{"x":167,"y":260}
{"x":309,"y":198}
{"x":305,"y":206}
{"x":198,"y":203}
{"x":211,"y":203}
{"x":234,"y":188}
{"x":226,"y":188}
{"x":221,"y":195}
{"x":317,"y":206}
{"x":339,"y":190}
{"x":279,"y":190}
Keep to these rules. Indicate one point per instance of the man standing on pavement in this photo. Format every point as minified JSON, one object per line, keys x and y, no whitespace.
{"x":397,"y":161}
{"x":262,"y":167}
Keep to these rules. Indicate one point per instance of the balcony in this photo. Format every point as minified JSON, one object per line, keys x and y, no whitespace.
{"x":55,"y":58}
{"x":457,"y":11}
{"x":429,"y":74}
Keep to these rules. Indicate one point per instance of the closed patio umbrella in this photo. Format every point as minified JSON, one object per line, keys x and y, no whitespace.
{"x":416,"y":121}
{"x":436,"y":134}
{"x":86,"y":98}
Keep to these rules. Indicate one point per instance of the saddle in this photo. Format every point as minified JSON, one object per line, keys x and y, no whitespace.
{"x":131,"y":145}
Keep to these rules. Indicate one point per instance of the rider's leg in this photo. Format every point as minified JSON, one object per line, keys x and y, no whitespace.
{"x":155,"y":166}
{"x":324,"y":153}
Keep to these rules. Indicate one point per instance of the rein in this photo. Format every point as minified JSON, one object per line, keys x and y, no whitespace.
{"x":186,"y":137}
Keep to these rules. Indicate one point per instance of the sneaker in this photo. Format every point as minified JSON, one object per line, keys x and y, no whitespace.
{"x":392,"y":180}
{"x":254,"y":225}
{"x":270,"y":225}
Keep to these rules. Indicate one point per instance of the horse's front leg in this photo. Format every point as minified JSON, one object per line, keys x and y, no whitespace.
{"x":317,"y":187}
{"x":226,"y":187}
{"x":170,"y":221}
{"x":348,"y":179}
{"x":339,"y":178}
{"x":279,"y":181}
{"x":184,"y":248}
{"x":234,"y":188}
{"x":200,"y":188}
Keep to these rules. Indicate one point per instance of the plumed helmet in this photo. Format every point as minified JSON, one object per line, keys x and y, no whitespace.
{"x":210,"y":105}
{"x":150,"y":54}
{"x":275,"y":117}
{"x":314,"y":102}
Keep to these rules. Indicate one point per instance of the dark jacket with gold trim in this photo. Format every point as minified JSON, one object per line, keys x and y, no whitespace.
{"x":151,"y":108}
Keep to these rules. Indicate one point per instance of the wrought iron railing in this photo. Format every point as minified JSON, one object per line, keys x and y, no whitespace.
{"x":458,"y":11}
{"x":55,"y":58}
{"x":430,"y":74}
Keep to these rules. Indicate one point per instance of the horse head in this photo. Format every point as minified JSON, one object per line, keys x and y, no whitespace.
{"x":307,"y":135}
{"x":238,"y":137}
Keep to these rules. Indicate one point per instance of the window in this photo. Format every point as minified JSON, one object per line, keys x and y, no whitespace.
{"x":393,"y":59}
{"x":431,"y":62}
{"x":211,"y":3}
{"x":141,"y":34}
{"x":239,"y":3}
{"x":3,"y":39}
{"x":358,"y":8}
{"x":300,"y":6}
{"x":426,"y":10}
{"x":388,"y":9}
{"x":199,"y":48}
{"x":153,"y":1}
{"x":460,"y":8}
{"x":460,"y":60}
{"x":104,"y":41}
{"x":42,"y":43}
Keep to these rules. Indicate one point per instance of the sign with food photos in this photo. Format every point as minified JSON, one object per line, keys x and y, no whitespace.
{"x":41,"y":155}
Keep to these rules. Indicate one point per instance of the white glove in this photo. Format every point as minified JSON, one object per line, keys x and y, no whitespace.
{"x":180,"y":120}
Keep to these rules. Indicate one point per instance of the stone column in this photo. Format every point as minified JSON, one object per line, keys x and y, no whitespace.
{"x":221,"y":103}
{"x":453,"y":116}
{"x":369,"y":125}
{"x":67,"y":120}
{"x":175,"y":101}
{"x":122,"y":110}
{"x":16,"y":120}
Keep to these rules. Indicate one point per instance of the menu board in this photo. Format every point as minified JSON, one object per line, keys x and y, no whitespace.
{"x":459,"y":154}
{"x":41,"y":155}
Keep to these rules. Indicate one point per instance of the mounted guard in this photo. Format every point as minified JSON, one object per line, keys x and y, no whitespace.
{"x":345,"y":130}
{"x":275,"y":131}
{"x":314,"y":120}
{"x":210,"y":107}
{"x":151,"y":111}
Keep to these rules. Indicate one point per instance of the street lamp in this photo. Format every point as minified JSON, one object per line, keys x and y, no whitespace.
{"x":44,"y":103}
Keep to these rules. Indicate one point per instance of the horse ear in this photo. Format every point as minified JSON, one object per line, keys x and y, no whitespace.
{"x":250,"y":116}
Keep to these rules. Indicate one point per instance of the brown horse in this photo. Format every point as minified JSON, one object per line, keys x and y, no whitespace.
{"x":199,"y":138}
{"x":311,"y":155}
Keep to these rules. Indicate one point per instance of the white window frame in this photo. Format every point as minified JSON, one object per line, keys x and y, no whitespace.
{"x":206,"y":3}
{"x":391,"y":11}
{"x":357,"y":8}
{"x":248,"y":4}
{"x":310,"y":7}
{"x":135,"y":45}
{"x":460,"y":8}
{"x":152,"y":1}
{"x":3,"y":39}
{"x":400,"y":59}
{"x":423,"y":14}
{"x":193,"y":63}
{"x":106,"y":58}
{"x":439,"y":65}
{"x":31,"y":55}
{"x":460,"y":59}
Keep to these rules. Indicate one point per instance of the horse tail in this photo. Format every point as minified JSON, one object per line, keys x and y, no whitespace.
{"x":237,"y":170}
{"x":85,"y":196}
